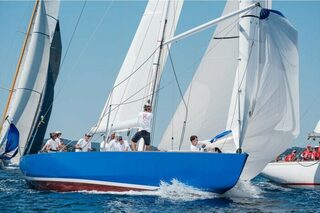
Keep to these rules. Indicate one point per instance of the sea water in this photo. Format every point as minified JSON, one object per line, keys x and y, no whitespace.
{"x":260,"y":195}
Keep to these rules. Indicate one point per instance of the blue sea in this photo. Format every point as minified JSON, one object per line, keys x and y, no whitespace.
{"x":260,"y":195}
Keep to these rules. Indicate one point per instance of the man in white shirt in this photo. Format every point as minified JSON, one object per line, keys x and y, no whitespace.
{"x":196,"y":146}
{"x":52,"y":145}
{"x":123,"y":144}
{"x":84,"y":144}
{"x":114,"y":144}
{"x":62,"y":146}
{"x":104,"y":145}
{"x":145,"y":122}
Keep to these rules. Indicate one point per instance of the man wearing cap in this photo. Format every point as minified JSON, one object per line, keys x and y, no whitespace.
{"x":84,"y":144}
{"x":51,"y":145}
{"x":62,"y":146}
{"x":145,"y":122}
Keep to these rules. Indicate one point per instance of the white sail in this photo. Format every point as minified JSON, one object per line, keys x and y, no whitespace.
{"x":267,"y":79}
{"x":271,"y":118}
{"x":132,"y":86}
{"x":317,"y":128}
{"x":208,"y":96}
{"x":32,"y":75}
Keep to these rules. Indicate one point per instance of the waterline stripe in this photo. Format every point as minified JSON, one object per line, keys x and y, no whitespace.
{"x":95,"y":182}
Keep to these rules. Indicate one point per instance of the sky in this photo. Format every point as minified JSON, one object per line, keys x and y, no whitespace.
{"x":100,"y":43}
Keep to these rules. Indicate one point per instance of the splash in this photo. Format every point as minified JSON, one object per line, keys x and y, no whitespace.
{"x":180,"y":192}
{"x":175,"y":191}
{"x":244,"y":189}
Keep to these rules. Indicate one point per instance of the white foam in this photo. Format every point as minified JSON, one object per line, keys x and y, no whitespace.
{"x":244,"y":189}
{"x":179,"y":191}
{"x":174,"y":190}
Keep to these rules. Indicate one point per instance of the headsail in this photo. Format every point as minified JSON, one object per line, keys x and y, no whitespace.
{"x":211,"y":86}
{"x":132,"y":86}
{"x":272,"y":118}
{"x":12,"y":144}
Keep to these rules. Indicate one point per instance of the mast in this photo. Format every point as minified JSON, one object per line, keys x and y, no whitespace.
{"x":157,"y":58}
{"x":19,"y":64}
{"x":248,"y":56}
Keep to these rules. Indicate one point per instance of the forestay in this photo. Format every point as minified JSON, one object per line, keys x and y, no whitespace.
{"x":132,"y":88}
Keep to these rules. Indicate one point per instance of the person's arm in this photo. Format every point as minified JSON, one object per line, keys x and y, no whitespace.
{"x":78,"y":145}
{"x":44,"y":148}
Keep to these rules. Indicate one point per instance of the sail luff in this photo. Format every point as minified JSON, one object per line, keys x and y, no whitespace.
{"x":12,"y":88}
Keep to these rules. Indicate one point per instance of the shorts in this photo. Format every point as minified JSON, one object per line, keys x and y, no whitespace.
{"x":142,"y":134}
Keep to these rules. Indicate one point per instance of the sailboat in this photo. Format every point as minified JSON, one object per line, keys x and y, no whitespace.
{"x":138,"y":83}
{"x":300,"y":174}
{"x":30,"y":100}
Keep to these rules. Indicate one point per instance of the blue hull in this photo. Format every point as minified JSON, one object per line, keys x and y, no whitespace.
{"x":123,"y":171}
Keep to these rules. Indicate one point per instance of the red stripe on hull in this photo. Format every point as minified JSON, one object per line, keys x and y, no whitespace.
{"x":69,"y":187}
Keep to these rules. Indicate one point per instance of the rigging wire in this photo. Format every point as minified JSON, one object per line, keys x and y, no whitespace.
{"x":85,"y":46}
{"x":227,"y":29}
{"x":73,"y":33}
{"x":182,"y":98}
{"x":134,"y":71}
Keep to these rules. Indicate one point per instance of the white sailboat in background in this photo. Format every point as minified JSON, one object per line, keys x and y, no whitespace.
{"x":30,"y":100}
{"x":249,"y":84}
{"x":301,"y":174}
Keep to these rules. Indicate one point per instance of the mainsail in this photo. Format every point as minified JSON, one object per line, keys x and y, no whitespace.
{"x":258,"y":101}
{"x":133,"y":85}
{"x":29,"y":92}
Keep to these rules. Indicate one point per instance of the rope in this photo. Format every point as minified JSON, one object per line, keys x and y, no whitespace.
{"x":308,"y":165}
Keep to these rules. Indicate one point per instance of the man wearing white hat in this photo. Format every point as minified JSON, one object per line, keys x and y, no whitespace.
{"x":84,"y":144}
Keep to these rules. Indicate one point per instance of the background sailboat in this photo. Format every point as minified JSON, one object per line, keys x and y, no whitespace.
{"x":30,"y":99}
{"x":298,"y":173}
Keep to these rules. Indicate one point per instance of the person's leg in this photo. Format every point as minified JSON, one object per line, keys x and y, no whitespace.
{"x":146,"y":138}
{"x":133,"y":146}
{"x":134,"y":141}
